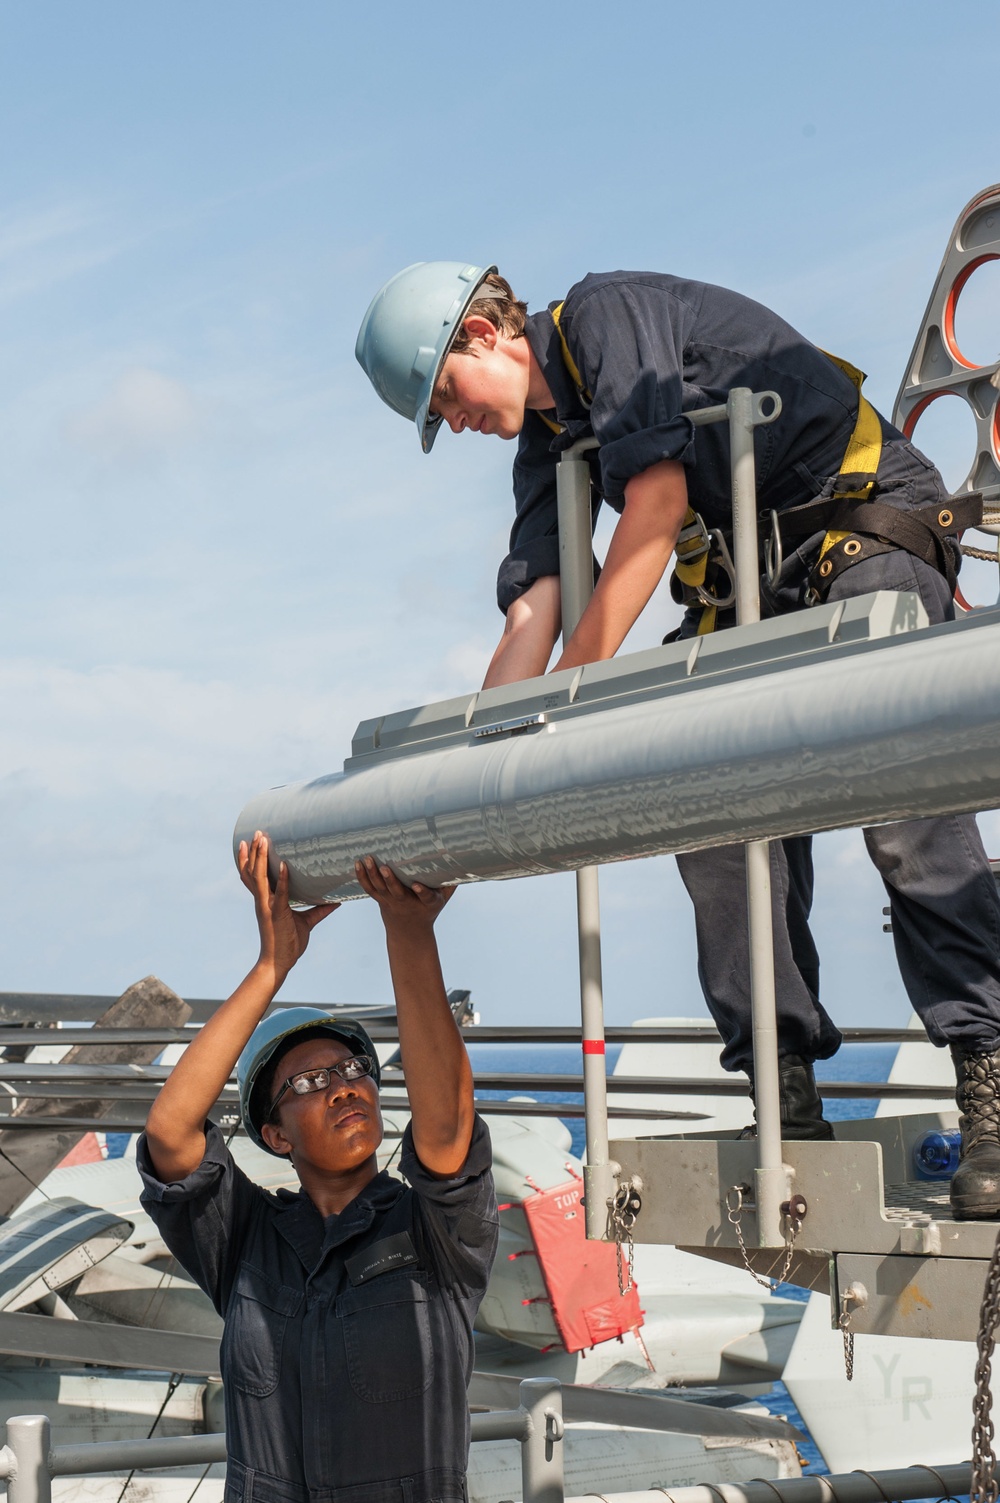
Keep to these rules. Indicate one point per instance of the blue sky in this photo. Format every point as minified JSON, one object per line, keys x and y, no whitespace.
{"x":220,"y":552}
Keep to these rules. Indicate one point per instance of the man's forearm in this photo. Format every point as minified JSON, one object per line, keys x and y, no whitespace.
{"x":530,"y":632}
{"x":438,"y":1073}
{"x":641,"y":548}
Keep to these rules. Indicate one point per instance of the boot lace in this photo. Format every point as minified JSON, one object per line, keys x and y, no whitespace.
{"x":978,"y":1098}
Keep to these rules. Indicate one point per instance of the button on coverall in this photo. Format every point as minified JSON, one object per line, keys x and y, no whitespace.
{"x":647,"y":348}
{"x":347,"y":1347}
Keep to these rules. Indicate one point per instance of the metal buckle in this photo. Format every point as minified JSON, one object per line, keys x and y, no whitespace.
{"x":695,"y":529}
{"x":723,"y":558}
{"x":774,"y":555}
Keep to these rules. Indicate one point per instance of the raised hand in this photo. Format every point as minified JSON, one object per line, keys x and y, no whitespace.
{"x":284,"y":931}
{"x":402,"y":907}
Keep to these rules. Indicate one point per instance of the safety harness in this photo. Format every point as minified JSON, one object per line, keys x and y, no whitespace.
{"x":703,"y":574}
{"x":856,"y":527}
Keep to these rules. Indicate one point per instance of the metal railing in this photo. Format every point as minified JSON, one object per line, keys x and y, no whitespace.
{"x":942,"y":1482}
{"x":29,"y":1461}
{"x":744,"y":410}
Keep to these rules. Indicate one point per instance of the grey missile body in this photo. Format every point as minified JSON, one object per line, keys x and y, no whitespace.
{"x":847,"y":714}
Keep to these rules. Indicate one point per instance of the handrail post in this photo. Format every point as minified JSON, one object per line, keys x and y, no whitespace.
{"x":29,"y":1438}
{"x":770,"y":1187}
{"x":576,"y":585}
{"x":541,"y":1448}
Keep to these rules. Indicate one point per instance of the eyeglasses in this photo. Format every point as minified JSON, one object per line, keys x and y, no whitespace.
{"x":355,"y":1068}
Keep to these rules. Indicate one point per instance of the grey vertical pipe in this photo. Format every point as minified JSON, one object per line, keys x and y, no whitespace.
{"x":576,"y":548}
{"x":576,"y":585}
{"x":29,"y":1438}
{"x":541,"y":1448}
{"x":770,"y":1180}
{"x":599,"y":1173}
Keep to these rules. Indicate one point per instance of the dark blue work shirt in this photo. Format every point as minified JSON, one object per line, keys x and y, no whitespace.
{"x":348,"y":1347}
{"x":649,"y":347}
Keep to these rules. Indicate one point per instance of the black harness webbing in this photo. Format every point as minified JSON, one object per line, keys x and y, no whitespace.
{"x":855,"y":527}
{"x":865,"y":529}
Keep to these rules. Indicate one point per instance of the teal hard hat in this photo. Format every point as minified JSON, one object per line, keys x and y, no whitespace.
{"x":407,"y":331}
{"x":269,"y":1036}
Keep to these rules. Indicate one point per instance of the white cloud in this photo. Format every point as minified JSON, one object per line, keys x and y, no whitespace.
{"x":42,"y":245}
{"x":139,"y":731}
{"x":34,"y":229}
{"x":145,"y":410}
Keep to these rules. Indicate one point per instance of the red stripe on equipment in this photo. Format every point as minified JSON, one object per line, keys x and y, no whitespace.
{"x":593,"y":1046}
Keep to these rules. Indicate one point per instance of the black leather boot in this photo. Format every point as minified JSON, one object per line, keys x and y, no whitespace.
{"x":801,"y":1107}
{"x":975,"y":1188}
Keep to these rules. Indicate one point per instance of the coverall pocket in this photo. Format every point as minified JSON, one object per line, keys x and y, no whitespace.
{"x":387,"y":1337}
{"x":255,"y":1331}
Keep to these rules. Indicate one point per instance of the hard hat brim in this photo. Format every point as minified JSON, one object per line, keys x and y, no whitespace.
{"x":428,"y":425}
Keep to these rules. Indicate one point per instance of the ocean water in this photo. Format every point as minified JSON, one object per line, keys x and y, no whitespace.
{"x":861,"y":1062}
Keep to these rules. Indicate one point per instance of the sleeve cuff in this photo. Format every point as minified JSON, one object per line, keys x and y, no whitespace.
{"x":523,"y":566}
{"x":478,"y":1161}
{"x":623,"y":458}
{"x":214,"y":1162}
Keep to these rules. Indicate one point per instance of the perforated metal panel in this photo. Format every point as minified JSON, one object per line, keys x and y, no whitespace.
{"x":938,"y":367}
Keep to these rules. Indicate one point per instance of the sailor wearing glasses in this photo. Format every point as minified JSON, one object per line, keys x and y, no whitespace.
{"x":349,"y":1304}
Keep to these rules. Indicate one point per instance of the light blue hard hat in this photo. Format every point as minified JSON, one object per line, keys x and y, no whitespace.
{"x":405,"y":335}
{"x":270,"y":1035}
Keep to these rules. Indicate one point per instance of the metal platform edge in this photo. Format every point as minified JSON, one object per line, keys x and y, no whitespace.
{"x":869,"y":1230}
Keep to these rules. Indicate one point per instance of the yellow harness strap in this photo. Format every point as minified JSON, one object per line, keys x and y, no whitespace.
{"x":864,"y":448}
{"x":692,"y":570}
{"x":568,"y":360}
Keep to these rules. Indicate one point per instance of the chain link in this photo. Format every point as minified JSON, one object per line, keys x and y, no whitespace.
{"x":984,"y":1481}
{"x":624,"y":1208}
{"x":734,"y":1211}
{"x":844,"y":1322}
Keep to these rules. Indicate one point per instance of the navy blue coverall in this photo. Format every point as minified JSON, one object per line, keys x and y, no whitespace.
{"x":649,"y":347}
{"x":347,"y":1349}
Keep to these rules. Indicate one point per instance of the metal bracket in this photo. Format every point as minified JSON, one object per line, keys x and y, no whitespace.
{"x":508,"y":727}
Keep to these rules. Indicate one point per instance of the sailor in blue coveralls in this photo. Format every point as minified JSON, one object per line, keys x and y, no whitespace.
{"x":348,"y":1306}
{"x":623,"y":357}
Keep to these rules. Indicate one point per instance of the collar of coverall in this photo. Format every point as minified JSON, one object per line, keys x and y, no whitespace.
{"x":543,"y":337}
{"x":302,"y":1226}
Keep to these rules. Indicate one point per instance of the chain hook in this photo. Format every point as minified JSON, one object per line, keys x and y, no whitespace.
{"x":624,"y":1208}
{"x":793,"y":1213}
{"x":854,"y":1294}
